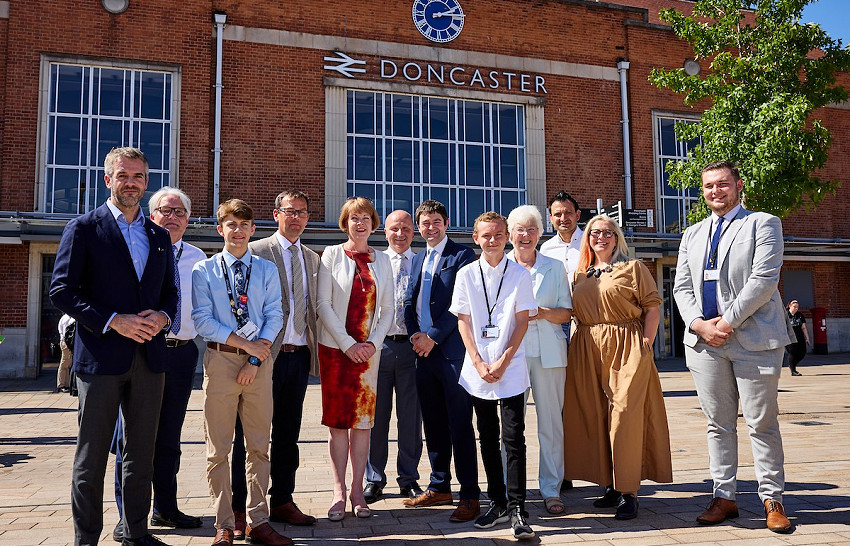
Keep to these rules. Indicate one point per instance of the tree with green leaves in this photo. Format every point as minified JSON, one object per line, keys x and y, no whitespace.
{"x":767,"y":78}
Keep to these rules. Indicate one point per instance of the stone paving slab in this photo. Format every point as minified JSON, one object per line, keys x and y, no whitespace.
{"x":38,"y":432}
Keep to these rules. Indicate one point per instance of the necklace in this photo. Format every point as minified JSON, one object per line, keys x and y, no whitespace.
{"x":350,"y":254}
{"x":597,"y":272}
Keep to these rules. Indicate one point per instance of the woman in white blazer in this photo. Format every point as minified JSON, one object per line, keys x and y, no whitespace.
{"x":545,"y":348}
{"x":355,"y":312}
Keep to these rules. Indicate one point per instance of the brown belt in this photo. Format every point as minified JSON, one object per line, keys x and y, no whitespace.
{"x":288,"y":348}
{"x":225,"y":348}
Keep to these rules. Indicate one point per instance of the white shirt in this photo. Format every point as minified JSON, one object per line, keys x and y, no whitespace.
{"x":395,"y":261}
{"x":516,"y":295}
{"x":290,"y":337}
{"x":566,"y":253}
{"x":190,"y":256}
{"x":439,"y":249}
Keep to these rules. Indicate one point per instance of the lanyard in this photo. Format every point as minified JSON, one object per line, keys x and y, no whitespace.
{"x":179,"y":253}
{"x":712,"y":256}
{"x":498,"y":291}
{"x":242,"y":297}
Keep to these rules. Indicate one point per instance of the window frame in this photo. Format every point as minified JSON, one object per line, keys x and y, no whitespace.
{"x":685,"y":202}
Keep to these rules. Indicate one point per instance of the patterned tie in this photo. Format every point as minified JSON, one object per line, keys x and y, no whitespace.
{"x":175,"y":324}
{"x":401,"y":282}
{"x":425,"y":322}
{"x":239,"y":285}
{"x":709,"y":288}
{"x":299,"y":318}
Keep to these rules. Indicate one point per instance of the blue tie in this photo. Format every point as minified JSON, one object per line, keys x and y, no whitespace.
{"x":425,"y":322}
{"x":709,"y":288}
{"x":239,"y":285}
{"x":175,"y":324}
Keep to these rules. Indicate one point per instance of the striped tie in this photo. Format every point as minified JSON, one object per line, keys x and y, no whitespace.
{"x":299,"y":317}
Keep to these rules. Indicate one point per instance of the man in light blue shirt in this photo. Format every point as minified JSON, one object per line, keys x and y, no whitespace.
{"x":237,"y":310}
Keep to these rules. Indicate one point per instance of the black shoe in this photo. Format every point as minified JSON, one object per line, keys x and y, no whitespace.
{"x":178,"y":519}
{"x":63,"y":389}
{"x":147,"y":540}
{"x":495,"y":514}
{"x":610,"y":499}
{"x":372,"y":492}
{"x":411,"y":491}
{"x":522,"y":530}
{"x":118,"y":532}
{"x":566,"y":485}
{"x":795,"y":372}
{"x":628,"y":507}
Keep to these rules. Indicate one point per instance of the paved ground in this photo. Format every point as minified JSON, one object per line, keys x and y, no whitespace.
{"x":37,"y":435}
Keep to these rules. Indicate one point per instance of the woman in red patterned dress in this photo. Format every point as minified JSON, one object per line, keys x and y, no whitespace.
{"x":355,"y":308}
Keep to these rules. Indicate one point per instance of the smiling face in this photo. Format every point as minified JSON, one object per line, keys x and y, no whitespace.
{"x":432,"y":227}
{"x":399,"y":231}
{"x":237,"y":233}
{"x":721,"y":191}
{"x":525,"y":236}
{"x":564,"y":217}
{"x":492,"y":238}
{"x":127,"y":183}
{"x":603,"y":240}
{"x":359,"y":228}
{"x":176,"y":225}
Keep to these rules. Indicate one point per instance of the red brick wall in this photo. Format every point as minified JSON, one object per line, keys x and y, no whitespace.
{"x":15,"y":260}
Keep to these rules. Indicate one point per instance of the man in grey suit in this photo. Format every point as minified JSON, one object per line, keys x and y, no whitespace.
{"x":736,"y":337}
{"x":295,"y":348}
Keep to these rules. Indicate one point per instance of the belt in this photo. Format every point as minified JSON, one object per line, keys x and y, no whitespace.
{"x":225,"y":348}
{"x":399,"y":338}
{"x":174,"y":342}
{"x":288,"y":348}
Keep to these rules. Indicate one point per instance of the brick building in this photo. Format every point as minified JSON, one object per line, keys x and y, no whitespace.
{"x":481,"y":104}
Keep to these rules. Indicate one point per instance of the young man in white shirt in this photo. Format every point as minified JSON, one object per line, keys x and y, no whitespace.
{"x":492,"y":299}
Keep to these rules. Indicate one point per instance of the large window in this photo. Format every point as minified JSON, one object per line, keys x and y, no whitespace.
{"x":403,"y":149}
{"x":92,"y":109}
{"x":675,"y":203}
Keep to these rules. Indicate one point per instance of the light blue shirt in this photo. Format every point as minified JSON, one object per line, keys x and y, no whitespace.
{"x":135,"y":237}
{"x":211,"y":311}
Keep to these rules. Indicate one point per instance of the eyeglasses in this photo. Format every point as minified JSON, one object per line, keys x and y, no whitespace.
{"x":525,"y":231}
{"x":605,"y":233}
{"x":179,"y":212}
{"x":292,"y":213}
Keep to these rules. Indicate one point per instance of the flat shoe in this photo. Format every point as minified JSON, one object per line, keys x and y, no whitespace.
{"x":361,"y":511}
{"x":554,"y":505}
{"x":337,"y":511}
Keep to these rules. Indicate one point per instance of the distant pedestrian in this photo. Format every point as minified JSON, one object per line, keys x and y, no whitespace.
{"x":67,"y":332}
{"x":797,"y":350}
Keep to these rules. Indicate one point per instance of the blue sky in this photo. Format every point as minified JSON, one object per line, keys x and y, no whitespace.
{"x":832,"y":15}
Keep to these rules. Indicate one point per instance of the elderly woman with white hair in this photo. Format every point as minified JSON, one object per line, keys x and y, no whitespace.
{"x":545,"y":347}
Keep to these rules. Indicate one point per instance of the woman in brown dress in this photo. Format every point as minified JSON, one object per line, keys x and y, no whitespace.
{"x":355,"y":311}
{"x":615,"y":423}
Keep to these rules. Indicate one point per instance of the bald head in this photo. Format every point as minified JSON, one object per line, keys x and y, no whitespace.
{"x":398,"y":228}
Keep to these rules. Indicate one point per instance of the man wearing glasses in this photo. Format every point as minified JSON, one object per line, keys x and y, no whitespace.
{"x":170,"y":208}
{"x":295,"y":359}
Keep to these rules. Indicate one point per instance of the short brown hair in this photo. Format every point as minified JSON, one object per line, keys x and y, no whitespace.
{"x":356,"y":205}
{"x":291,"y":195}
{"x":129,"y":153}
{"x":237,"y":208}
{"x":717,"y":165}
{"x":430,"y":206}
{"x":490,"y":216}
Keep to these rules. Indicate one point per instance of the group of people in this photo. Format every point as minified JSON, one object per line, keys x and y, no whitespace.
{"x":447,"y":333}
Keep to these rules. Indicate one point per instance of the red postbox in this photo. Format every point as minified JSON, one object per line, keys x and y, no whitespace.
{"x":819,"y":331}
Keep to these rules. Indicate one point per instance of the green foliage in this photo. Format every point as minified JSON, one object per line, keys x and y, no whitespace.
{"x":766,"y":80}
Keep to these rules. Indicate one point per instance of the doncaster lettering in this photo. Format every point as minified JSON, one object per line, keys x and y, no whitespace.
{"x":462,"y":77}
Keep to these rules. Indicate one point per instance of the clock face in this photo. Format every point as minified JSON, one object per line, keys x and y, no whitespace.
{"x":438,"y":20}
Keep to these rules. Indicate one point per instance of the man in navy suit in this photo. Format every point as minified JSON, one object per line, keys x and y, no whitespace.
{"x":114,"y":274}
{"x":440,"y":351}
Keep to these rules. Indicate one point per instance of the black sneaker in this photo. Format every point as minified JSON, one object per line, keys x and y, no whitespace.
{"x":522,"y":530}
{"x":610,"y":499}
{"x":628,"y":507}
{"x":495,"y":514}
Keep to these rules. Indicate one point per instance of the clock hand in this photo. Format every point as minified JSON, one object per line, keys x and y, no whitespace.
{"x":453,"y":14}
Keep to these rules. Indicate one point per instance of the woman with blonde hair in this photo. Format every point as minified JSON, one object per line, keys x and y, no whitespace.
{"x":615,"y":423}
{"x":355,"y":311}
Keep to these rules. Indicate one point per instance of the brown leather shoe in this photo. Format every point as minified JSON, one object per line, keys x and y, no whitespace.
{"x":265,"y":534}
{"x":467,"y":510}
{"x":241,"y":522}
{"x":289,"y":513}
{"x":223,"y":537}
{"x":428,"y":498}
{"x":777,"y":521}
{"x":719,"y":510}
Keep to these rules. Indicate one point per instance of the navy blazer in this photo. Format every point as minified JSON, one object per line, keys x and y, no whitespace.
{"x":94,"y":277}
{"x":444,"y":330}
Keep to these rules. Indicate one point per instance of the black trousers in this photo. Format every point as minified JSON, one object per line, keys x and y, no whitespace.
{"x":513,"y":434}
{"x":289,"y":386}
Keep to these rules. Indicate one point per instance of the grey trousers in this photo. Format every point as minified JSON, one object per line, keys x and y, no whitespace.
{"x":723,"y":376}
{"x":138,"y":394}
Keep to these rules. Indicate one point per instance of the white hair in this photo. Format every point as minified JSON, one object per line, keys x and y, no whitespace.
{"x":524,"y":214}
{"x":164,"y":191}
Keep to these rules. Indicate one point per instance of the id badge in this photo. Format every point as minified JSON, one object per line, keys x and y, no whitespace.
{"x":248,"y":330}
{"x":490,"y":332}
{"x":711,"y":275}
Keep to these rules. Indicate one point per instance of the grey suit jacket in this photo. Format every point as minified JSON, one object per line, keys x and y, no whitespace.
{"x":269,"y":248}
{"x":750,"y":256}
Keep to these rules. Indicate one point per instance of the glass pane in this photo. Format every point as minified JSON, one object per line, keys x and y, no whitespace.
{"x":402,"y":116}
{"x":349,"y":109}
{"x":510,"y":201}
{"x":507,"y":124}
{"x":111,"y":99}
{"x":508,"y":168}
{"x":474,"y":206}
{"x":152,"y":98}
{"x":167,"y":97}
{"x":69,"y":89}
{"x":473,"y":122}
{"x":439,"y":163}
{"x":67,"y":138}
{"x":665,"y":179}
{"x":402,"y":199}
{"x":474,"y":163}
{"x":520,"y":113}
{"x":364,"y":158}
{"x":671,"y":215}
{"x":402,"y":161}
{"x":364,"y":113}
{"x":364,"y":190}
{"x":154,"y":183}
{"x":349,"y":171}
{"x":150,"y":142}
{"x":65,"y":190}
{"x":108,"y":137}
{"x":668,"y":137}
{"x":441,"y":194}
{"x":438,"y":120}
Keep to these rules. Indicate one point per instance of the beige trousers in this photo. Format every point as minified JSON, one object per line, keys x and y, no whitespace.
{"x":223,"y":399}
{"x":63,"y":374}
